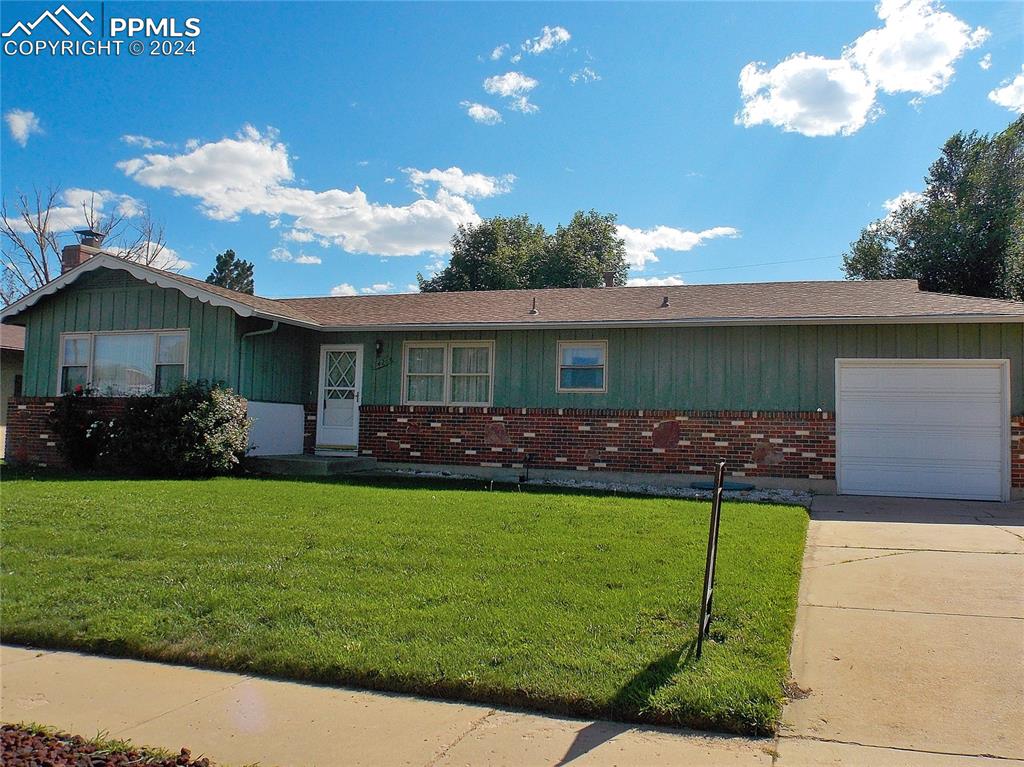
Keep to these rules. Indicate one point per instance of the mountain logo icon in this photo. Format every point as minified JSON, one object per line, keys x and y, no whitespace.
{"x":62,"y":18}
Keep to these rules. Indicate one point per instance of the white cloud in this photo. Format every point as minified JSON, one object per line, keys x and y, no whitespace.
{"x":499,"y":51}
{"x":985,"y":62}
{"x":516,"y":58}
{"x":914,"y":51}
{"x":1010,"y":94}
{"x":166,"y":258}
{"x":252,"y":173}
{"x":641,"y":243}
{"x":805,"y":94}
{"x":481,"y":113}
{"x":281,"y":254}
{"x":389,"y":180}
{"x":412,"y":288}
{"x":344,"y":289}
{"x":145,"y":142}
{"x":916,"y":48}
{"x":379,"y":287}
{"x":895,"y":203}
{"x":585,"y":75}
{"x":549,"y":37}
{"x":523,"y":104}
{"x":648,"y":282}
{"x":22,"y":124}
{"x":456,"y":181}
{"x":509,"y":84}
{"x":302,"y":258}
{"x":69,"y":211}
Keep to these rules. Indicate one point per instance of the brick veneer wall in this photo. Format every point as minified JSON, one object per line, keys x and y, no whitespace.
{"x":755,"y":444}
{"x":309,"y":428}
{"x":30,"y":437}
{"x":1017,"y":451}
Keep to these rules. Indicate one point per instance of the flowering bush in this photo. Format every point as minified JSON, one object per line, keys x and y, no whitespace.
{"x":197,"y":430}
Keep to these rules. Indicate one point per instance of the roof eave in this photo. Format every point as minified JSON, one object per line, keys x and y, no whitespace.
{"x":696,"y":322}
{"x":150,"y":276}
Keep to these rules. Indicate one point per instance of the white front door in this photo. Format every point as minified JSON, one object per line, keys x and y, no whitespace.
{"x":926,"y":428}
{"x":341,"y":380}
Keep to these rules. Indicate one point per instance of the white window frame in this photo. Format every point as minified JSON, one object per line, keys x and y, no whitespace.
{"x":446,"y":371}
{"x":91,"y":336}
{"x":597,"y":344}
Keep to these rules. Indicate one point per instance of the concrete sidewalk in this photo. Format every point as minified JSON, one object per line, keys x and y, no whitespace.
{"x":237,"y":720}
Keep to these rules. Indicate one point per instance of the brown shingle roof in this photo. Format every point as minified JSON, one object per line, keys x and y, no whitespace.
{"x":12,"y":337}
{"x":771,"y":301}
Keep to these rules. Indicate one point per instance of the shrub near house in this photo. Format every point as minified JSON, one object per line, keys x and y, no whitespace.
{"x":195,"y":430}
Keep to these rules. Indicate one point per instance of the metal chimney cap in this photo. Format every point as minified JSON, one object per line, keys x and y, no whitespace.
{"x":89,"y":237}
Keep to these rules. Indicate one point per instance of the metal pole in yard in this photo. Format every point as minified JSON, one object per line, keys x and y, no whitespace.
{"x":708,"y":593}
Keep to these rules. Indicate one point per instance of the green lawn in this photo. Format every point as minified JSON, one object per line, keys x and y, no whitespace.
{"x":572,"y":603}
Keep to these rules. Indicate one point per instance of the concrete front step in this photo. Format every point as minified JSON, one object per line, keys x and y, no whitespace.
{"x":309,"y":465}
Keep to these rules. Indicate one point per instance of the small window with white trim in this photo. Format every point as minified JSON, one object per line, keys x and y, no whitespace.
{"x":582,"y":367}
{"x":448,"y":373}
{"x":118,"y":364}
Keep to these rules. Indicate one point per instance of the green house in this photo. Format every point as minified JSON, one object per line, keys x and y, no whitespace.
{"x":860,"y":387}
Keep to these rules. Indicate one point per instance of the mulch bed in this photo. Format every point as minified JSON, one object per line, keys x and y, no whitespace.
{"x":23,"y":747}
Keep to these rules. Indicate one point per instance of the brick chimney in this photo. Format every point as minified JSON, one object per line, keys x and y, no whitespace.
{"x":609,"y":279}
{"x":88,"y":245}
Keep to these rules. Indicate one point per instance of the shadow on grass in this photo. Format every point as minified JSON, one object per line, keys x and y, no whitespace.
{"x":634,"y":697}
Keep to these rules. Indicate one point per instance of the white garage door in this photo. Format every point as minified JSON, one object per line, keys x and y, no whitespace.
{"x":924,"y":428}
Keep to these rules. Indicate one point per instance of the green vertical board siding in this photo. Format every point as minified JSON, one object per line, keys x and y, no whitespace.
{"x":105,"y":300}
{"x":721,"y":368}
{"x":724,"y":368}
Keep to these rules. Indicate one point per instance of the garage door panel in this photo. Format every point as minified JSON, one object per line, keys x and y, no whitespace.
{"x":954,"y":481}
{"x":909,"y":410}
{"x":921,"y":380}
{"x":916,"y":443}
{"x":928,"y":428}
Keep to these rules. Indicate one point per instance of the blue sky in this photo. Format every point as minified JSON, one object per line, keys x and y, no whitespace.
{"x":337,"y":145}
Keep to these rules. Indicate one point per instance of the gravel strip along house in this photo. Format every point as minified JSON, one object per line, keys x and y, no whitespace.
{"x":872,"y":387}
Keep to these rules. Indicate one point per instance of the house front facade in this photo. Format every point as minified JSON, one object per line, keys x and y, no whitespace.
{"x":860,"y":387}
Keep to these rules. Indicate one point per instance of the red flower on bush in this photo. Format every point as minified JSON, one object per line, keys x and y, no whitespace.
{"x":79,"y":389}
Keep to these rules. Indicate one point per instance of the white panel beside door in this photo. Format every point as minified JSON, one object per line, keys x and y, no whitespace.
{"x":923,"y":428}
{"x":276,"y":428}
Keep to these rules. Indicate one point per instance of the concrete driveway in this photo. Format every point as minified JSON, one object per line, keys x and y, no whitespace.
{"x":909,"y":645}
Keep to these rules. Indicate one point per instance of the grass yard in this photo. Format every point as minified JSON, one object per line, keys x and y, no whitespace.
{"x":572,"y":603}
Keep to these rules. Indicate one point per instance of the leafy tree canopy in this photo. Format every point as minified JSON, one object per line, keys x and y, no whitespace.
{"x":512,"y":253}
{"x":965,"y":234}
{"x":232,"y":272}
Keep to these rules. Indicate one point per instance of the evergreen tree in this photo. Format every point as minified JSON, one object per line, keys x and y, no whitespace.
{"x":232,"y":272}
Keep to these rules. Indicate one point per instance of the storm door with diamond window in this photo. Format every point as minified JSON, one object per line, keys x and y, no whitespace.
{"x":341,"y":376}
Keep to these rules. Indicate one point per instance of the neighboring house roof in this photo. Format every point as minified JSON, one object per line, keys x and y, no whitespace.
{"x":12,"y":337}
{"x":851,"y":301}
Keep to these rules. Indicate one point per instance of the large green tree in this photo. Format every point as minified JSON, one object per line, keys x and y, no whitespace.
{"x":512,"y":253}
{"x":232,"y":272}
{"x":579,"y":254}
{"x":964,"y":234}
{"x":496,"y":254}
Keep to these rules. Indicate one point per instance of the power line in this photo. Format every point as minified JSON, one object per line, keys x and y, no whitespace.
{"x":737,"y":266}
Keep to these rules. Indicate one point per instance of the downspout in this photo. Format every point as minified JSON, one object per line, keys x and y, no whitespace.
{"x":241,"y":345}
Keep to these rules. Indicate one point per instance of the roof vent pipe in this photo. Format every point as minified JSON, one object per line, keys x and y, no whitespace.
{"x":533,"y":309}
{"x":664,"y":302}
